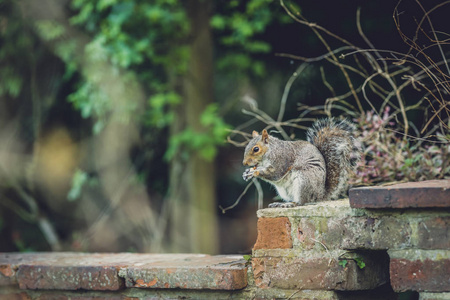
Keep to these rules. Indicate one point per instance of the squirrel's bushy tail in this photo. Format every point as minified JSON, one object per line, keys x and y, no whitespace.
{"x":341,"y":151}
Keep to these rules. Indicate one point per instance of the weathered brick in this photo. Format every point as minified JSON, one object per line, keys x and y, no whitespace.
{"x":189,"y":272}
{"x":434,"y":233}
{"x":66,"y":277}
{"x":274,"y":233}
{"x":15,"y":296}
{"x":434,"y":296}
{"x":9,"y":263}
{"x":432,"y":193}
{"x":295,"y":294}
{"x":67,"y":271}
{"x":420,"y":270}
{"x":366,"y":233}
{"x":319,"y":271}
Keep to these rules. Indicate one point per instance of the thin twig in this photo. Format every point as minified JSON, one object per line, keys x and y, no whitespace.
{"x":238,"y":199}
{"x":287,"y":88}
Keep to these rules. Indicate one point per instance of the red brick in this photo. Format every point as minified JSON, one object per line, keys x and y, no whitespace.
{"x":432,"y":193}
{"x":273,"y":233}
{"x":432,"y":275}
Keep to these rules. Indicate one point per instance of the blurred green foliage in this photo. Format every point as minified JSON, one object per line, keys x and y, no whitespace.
{"x":56,"y":66}
{"x":239,"y":26}
{"x":151,"y":39}
{"x":205,"y":141}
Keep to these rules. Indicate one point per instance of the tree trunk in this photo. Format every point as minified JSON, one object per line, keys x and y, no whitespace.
{"x":194,"y":226}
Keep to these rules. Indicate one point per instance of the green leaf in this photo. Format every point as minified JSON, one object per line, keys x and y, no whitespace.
{"x":121,"y":13}
{"x":218,"y":22}
{"x":360,"y":263}
{"x":49,"y":30}
{"x":343,"y":263}
{"x":103,"y":4}
{"x":248,"y":257}
{"x":78,"y":180}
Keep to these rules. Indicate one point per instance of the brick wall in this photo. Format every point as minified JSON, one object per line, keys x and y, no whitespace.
{"x":380,"y":243}
{"x":396,"y":237}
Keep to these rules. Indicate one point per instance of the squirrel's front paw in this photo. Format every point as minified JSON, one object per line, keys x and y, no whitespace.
{"x":248,"y":174}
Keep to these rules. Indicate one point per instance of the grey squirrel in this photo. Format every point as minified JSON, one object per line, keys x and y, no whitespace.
{"x":305,"y":171}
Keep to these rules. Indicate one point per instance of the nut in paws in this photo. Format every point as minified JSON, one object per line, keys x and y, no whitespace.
{"x":248,"y":174}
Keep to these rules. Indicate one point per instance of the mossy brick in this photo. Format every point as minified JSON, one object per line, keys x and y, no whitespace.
{"x":425,"y":194}
{"x":316,"y":271}
{"x":434,"y":233}
{"x":295,"y":294}
{"x":320,"y":209}
{"x":274,"y":233}
{"x":420,"y":270}
{"x":434,"y":296}
{"x":366,"y":233}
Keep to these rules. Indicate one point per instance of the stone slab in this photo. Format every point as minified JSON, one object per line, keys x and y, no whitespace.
{"x":319,"y":271}
{"x":425,"y":194}
{"x":420,"y":270}
{"x":110,"y":272}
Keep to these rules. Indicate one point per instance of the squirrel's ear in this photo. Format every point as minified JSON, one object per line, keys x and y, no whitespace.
{"x":255,"y":133}
{"x":265,"y":136}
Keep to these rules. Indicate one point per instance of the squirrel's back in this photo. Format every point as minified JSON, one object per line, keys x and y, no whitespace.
{"x":335,"y":140}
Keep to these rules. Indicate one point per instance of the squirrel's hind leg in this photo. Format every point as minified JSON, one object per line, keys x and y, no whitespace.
{"x":292,"y":195}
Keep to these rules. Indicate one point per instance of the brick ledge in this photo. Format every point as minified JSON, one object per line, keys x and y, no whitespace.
{"x":112,"y":272}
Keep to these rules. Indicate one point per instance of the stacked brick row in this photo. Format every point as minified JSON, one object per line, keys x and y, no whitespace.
{"x":387,"y":239}
{"x":130,"y":276}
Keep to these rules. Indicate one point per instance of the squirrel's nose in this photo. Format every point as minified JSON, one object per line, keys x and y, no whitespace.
{"x":245,"y":162}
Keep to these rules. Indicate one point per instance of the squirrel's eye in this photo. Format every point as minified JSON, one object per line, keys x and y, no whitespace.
{"x":255,"y":149}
